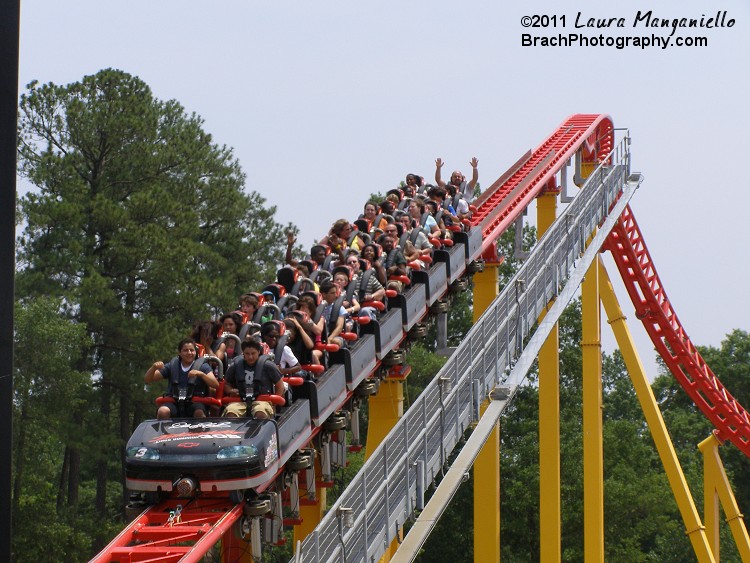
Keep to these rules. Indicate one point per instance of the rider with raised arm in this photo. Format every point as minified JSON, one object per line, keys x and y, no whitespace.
{"x":466,"y":189}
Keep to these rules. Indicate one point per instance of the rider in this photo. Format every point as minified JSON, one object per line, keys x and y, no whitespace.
{"x":241,"y":375}
{"x":185,"y":379}
{"x":466,"y":189}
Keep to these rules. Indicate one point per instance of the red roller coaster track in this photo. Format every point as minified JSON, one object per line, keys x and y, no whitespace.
{"x":504,"y":201}
{"x":653,"y":308}
{"x":175,"y":530}
{"x":500,"y":205}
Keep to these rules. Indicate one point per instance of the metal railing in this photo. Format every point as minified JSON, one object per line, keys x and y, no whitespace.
{"x":391,"y":485}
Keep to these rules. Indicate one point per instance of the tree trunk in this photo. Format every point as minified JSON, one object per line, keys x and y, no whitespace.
{"x":124,"y":436}
{"x":101,"y":465}
{"x":20,"y":448}
{"x":63,"y":479}
{"x":74,"y":475}
{"x":74,"y":465}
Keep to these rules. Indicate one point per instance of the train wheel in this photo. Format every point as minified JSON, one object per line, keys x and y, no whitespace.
{"x":439,"y":307}
{"x":475,"y":267}
{"x":134,"y":509}
{"x":366,"y":388}
{"x":153,"y":497}
{"x":298,"y":462}
{"x":258,"y":507}
{"x":459,"y":285}
{"x":393,"y":358}
{"x":334,"y":422}
{"x":418,"y":331}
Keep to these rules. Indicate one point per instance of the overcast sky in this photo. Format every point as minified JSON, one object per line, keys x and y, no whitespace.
{"x":325,"y":102}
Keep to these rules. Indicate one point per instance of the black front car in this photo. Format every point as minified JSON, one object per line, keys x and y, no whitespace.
{"x":219,"y":454}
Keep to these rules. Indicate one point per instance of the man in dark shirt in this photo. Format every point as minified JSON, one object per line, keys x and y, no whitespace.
{"x":393,"y":260}
{"x":241,"y":376}
{"x":181,"y":375}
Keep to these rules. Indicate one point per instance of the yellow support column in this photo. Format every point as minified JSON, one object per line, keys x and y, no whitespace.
{"x":593,"y":456}
{"x":694,"y":528}
{"x":311,"y":514}
{"x":549,"y":418}
{"x":487,"y":464}
{"x":486,"y":289}
{"x":716,"y":488}
{"x":385,"y":409}
{"x":710,"y":494}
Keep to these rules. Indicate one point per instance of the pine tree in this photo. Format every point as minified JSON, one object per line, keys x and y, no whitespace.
{"x":139,"y":224}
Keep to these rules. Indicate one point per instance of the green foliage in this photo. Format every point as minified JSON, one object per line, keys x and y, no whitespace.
{"x":137,"y":208}
{"x":41,"y":536}
{"x":506,"y":249}
{"x":47,"y":345}
{"x":731,"y":363}
{"x":46,"y":389}
{"x":687,"y":426}
{"x":377,"y":197}
{"x":424,"y":367}
{"x":451,"y":540}
{"x":138,"y":226}
{"x":460,"y":317}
